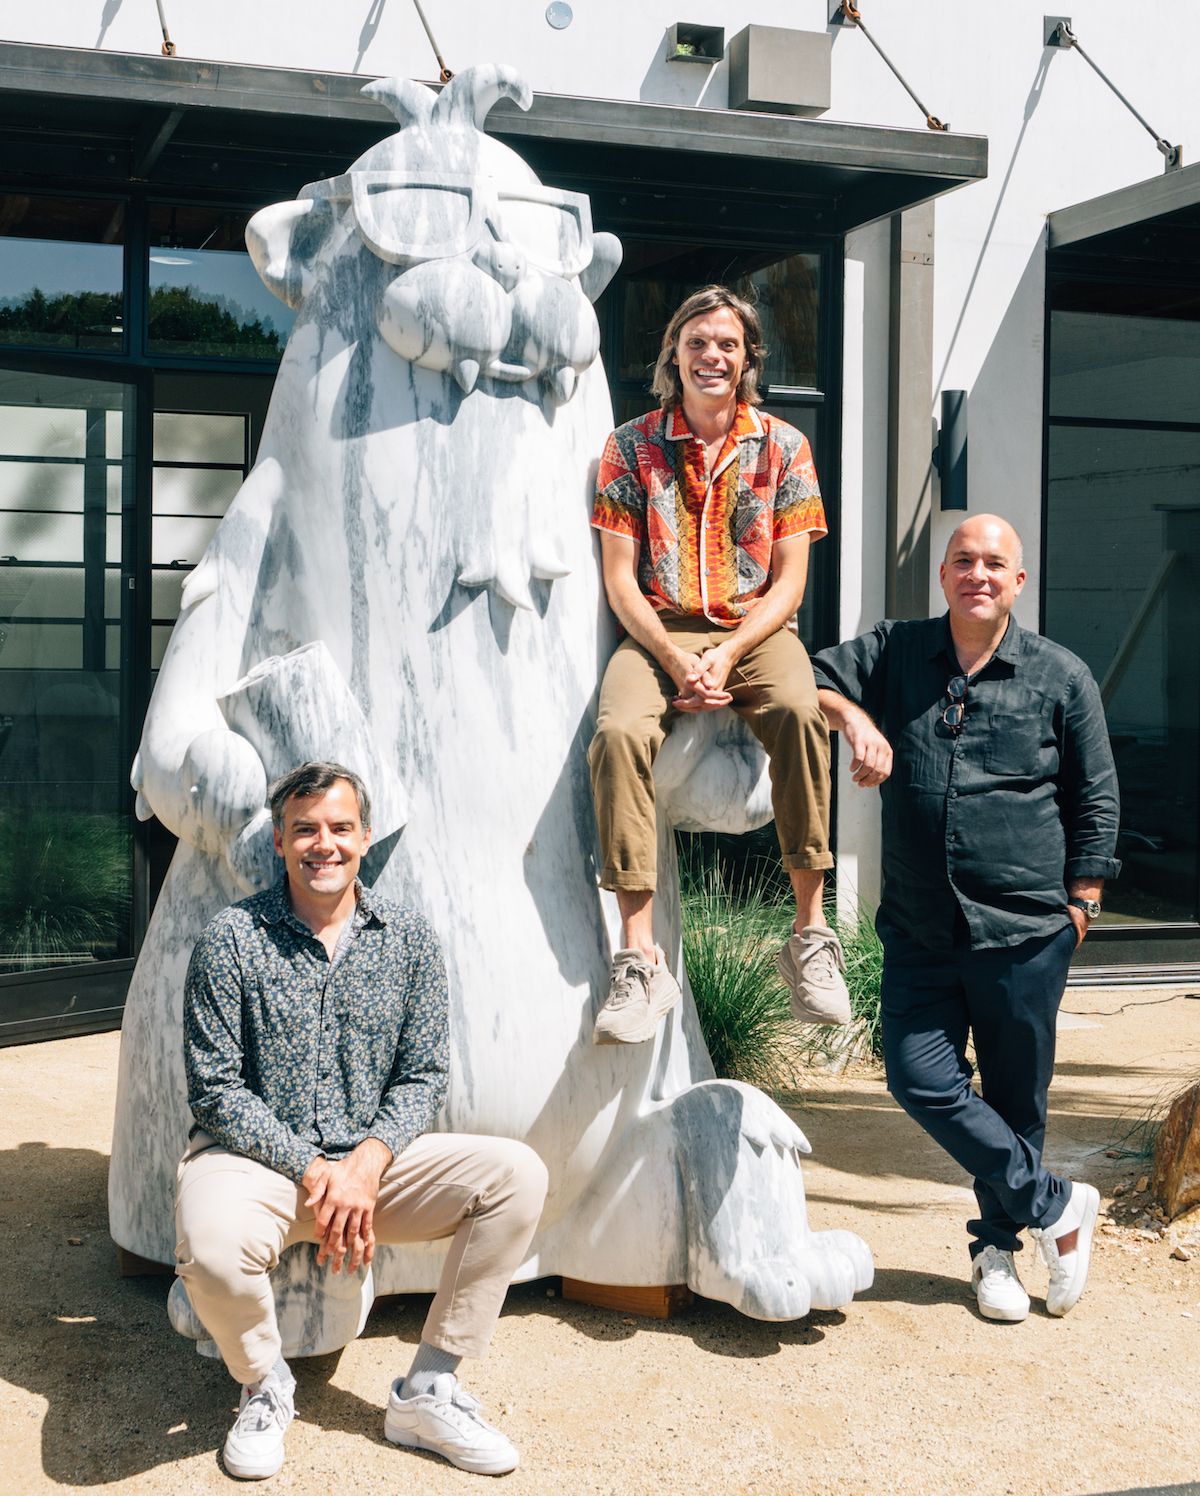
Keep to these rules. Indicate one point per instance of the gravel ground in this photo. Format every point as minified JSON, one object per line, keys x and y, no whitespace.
{"x":907,"y":1389}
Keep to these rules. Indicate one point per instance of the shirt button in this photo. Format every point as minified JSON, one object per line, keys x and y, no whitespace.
{"x":954,"y":794}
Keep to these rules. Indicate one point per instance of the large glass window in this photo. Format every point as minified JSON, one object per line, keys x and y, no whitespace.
{"x":1122,"y":563}
{"x":61,"y":273}
{"x":206,"y":298}
{"x":66,"y":522}
{"x":200,"y":462}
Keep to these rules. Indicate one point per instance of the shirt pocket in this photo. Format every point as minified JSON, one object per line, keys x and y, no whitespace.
{"x":1020,"y":745}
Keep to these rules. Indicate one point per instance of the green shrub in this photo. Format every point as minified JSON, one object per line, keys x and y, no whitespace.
{"x":729,"y":948}
{"x":731,"y":938}
{"x":65,"y":886}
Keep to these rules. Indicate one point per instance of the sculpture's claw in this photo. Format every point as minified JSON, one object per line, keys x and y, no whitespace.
{"x":199,"y":584}
{"x":548,"y":566}
{"x":142,"y":807}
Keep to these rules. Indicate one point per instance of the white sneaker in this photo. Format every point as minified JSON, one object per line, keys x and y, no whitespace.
{"x":640,"y":993}
{"x":1068,"y":1271}
{"x":997,"y":1287}
{"x":254,"y":1446}
{"x":447,"y":1421}
{"x":812,"y":964}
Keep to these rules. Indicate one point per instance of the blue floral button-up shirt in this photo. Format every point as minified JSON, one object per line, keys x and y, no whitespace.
{"x":289,"y":1056}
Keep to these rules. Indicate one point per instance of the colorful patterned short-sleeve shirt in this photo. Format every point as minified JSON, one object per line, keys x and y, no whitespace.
{"x":706,"y":537}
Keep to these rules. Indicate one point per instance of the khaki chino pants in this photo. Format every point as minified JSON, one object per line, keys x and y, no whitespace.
{"x":234,"y":1217}
{"x":773,"y":692}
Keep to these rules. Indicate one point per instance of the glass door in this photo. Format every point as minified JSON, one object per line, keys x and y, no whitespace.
{"x":207,"y":428}
{"x":656,"y":276}
{"x":67,"y":577}
{"x":1122,"y":580}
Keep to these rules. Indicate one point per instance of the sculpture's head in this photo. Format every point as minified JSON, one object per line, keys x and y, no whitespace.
{"x":469,"y":266}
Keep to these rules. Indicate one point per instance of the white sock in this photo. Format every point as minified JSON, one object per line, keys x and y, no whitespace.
{"x":430,"y":1362}
{"x":280,"y":1376}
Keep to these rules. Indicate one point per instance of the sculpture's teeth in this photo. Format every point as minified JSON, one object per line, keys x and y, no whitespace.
{"x":562,"y":383}
{"x":135,"y":774}
{"x":466,"y":371}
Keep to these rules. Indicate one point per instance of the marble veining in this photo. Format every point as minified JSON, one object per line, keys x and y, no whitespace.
{"x":407,"y":581}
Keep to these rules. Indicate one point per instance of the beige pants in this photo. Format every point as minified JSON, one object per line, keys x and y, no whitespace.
{"x":233,"y":1218}
{"x":775,"y":695}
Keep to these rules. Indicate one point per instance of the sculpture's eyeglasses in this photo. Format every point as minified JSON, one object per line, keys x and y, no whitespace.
{"x":407,"y":218}
{"x":956,"y":713}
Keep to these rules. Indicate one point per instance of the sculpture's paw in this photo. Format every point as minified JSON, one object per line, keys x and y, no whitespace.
{"x":711,"y":775}
{"x":224,"y":788}
{"x":847,"y":1247}
{"x":748,"y":1238}
{"x":186,"y":1322}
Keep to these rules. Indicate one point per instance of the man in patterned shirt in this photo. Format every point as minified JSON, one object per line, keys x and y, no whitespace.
{"x":316,"y":1048}
{"x":706,"y":510}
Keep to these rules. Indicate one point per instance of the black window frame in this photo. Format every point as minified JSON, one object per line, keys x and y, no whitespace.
{"x":1112,"y":945}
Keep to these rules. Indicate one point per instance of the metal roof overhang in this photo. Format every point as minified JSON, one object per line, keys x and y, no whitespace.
{"x":1156,"y":222}
{"x":257,"y":133}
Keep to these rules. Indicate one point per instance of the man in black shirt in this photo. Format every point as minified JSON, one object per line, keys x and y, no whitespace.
{"x":1000,"y":816}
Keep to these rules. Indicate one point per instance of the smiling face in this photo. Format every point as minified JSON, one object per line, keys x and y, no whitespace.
{"x":982,"y":573}
{"x":711,"y":357}
{"x":323,"y":842}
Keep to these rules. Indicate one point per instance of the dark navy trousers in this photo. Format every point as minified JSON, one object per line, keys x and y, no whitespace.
{"x":1008,"y":1000}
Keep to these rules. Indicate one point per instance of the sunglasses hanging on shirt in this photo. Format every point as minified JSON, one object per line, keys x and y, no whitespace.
{"x":955,"y":715}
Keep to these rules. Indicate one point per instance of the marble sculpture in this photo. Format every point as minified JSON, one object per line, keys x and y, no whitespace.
{"x":407,"y":583}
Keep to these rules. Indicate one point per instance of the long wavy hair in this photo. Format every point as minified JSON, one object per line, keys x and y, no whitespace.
{"x":667,"y":384}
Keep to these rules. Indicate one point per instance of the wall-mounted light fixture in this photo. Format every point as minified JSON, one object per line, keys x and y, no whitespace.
{"x":950,"y":454}
{"x":688,"y":42}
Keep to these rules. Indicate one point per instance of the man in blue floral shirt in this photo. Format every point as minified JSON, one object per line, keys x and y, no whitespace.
{"x":316,"y":1047}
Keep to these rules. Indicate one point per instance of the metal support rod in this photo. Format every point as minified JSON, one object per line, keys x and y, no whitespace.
{"x":445,"y":73}
{"x":1173,"y":153}
{"x":854,"y":16}
{"x":168,"y":44}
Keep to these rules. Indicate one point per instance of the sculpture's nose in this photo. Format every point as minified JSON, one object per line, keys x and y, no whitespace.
{"x":504,"y":262}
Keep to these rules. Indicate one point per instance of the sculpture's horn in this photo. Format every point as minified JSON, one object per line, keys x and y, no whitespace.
{"x":468,"y":97}
{"x":411,"y":102}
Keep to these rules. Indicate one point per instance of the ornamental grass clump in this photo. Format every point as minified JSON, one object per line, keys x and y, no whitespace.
{"x":729,"y":949}
{"x":730,"y":944}
{"x":65,"y":887}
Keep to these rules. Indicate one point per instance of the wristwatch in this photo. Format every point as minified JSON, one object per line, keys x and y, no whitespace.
{"x":1091,"y":907}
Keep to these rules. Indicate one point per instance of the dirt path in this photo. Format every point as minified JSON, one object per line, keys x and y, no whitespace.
{"x":906,"y":1390}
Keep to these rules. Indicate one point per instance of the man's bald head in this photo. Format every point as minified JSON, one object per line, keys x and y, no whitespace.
{"x":983,"y":572}
{"x":993,"y":532}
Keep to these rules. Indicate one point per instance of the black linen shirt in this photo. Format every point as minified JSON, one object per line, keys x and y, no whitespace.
{"x":991,"y":821}
{"x":289,"y":1056}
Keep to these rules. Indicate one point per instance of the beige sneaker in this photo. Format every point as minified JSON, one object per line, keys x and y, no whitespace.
{"x":812,"y":964}
{"x":638,"y":996}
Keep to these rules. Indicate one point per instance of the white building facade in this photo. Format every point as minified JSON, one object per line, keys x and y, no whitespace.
{"x":1035,"y":255}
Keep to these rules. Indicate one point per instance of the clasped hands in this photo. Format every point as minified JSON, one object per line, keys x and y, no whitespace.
{"x":344,"y":1194}
{"x":701,"y":680}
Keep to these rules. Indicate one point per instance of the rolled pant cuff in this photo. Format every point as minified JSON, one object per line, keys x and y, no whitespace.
{"x":618,"y":880}
{"x":807,"y":862}
{"x":470,"y":1347}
